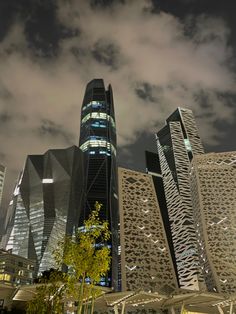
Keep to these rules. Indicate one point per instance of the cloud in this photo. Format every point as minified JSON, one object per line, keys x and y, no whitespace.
{"x":50,"y":129}
{"x":154,"y":61}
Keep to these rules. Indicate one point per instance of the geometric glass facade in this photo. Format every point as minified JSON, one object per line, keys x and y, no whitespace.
{"x":45,"y":204}
{"x":177,"y":142}
{"x":98,"y":143}
{"x":213,"y":185}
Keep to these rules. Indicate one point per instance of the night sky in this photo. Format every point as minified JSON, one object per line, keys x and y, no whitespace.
{"x":157,"y":55}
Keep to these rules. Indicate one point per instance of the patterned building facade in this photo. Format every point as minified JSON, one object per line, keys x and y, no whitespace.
{"x":177,"y":142}
{"x":2,"y":179}
{"x":146,"y":262}
{"x":213,"y":185}
{"x":46,"y":204}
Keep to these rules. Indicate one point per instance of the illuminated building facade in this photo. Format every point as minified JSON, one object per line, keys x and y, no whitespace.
{"x":153,"y":169}
{"x":15,"y":269}
{"x":98,"y":143}
{"x":177,"y":142}
{"x":2,"y":179}
{"x":213,"y":185}
{"x":57,"y":191}
{"x":46,"y":204}
{"x":146,"y":261}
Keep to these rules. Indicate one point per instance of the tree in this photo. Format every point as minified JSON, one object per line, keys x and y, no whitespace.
{"x":88,"y":258}
{"x":49,"y":294}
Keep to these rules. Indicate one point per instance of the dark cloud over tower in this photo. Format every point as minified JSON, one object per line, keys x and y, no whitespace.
{"x":157,"y":55}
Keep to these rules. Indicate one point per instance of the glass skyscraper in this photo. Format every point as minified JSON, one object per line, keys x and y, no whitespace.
{"x":57,"y":191}
{"x":45,"y":205}
{"x":98,"y":143}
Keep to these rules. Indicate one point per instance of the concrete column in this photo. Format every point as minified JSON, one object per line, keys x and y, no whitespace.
{"x":116,"y":309}
{"x":123,"y":308}
{"x":220,"y":309}
{"x":172,"y":310}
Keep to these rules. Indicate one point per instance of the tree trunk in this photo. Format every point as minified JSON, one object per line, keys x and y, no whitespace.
{"x":81,"y":296}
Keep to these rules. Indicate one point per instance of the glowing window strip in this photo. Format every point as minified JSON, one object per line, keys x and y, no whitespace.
{"x":94,"y":103}
{"x":97,"y":143}
{"x":98,"y":115}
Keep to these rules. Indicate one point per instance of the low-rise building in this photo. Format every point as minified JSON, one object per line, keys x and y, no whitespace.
{"x":15,"y":269}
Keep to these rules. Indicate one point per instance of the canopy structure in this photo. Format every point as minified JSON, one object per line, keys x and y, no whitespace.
{"x":200,"y":302}
{"x":120,"y":302}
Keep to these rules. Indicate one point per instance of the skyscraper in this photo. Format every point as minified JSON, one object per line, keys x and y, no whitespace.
{"x":213,"y":186}
{"x":46,"y":204}
{"x":146,"y":261}
{"x":153,"y":169}
{"x":177,"y":142}
{"x":98,"y":142}
{"x":57,"y":191}
{"x":2,"y":179}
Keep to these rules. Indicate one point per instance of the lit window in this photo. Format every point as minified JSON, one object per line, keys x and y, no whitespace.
{"x":16,"y":191}
{"x":98,"y":115}
{"x":187,"y":145}
{"x":94,"y":104}
{"x":5,"y":277}
{"x":47,"y":180}
{"x":98,"y":143}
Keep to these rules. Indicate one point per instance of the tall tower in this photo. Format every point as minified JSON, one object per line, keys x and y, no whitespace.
{"x":177,"y":142}
{"x":2,"y":179}
{"x":146,"y":261}
{"x":98,"y":142}
{"x":213,"y":186}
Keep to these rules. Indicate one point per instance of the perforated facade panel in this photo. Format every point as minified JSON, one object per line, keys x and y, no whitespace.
{"x":177,"y":143}
{"x":145,"y":257}
{"x":213,"y":181}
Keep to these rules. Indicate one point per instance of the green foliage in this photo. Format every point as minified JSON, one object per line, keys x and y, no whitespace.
{"x":49,"y":293}
{"x":87,"y":256}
